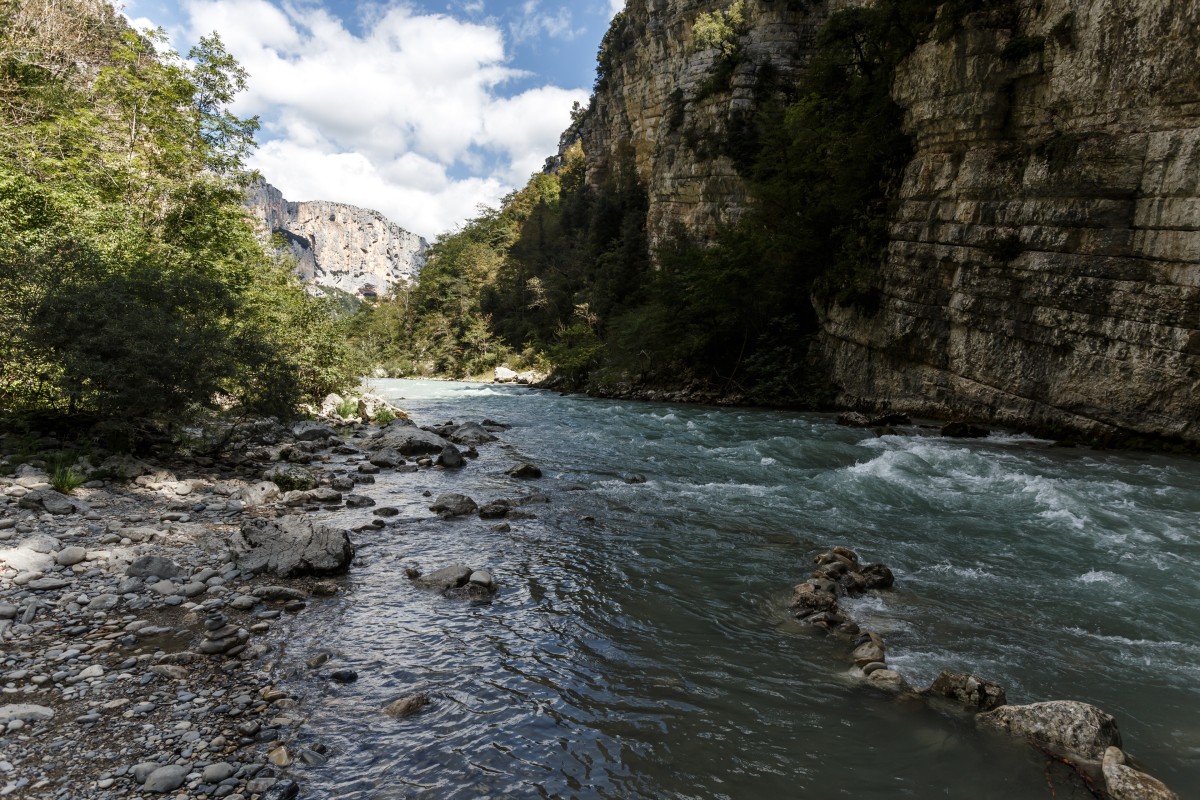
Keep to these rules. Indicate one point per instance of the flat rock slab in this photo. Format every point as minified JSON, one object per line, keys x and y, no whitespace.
{"x":26,"y":712}
{"x":445,"y":578}
{"x":292,"y":546}
{"x":1078,"y":728}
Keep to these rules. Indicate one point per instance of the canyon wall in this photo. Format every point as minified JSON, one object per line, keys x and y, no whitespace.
{"x":1043,"y":269}
{"x":658,"y":108}
{"x":355,"y":250}
{"x":1044,"y":265}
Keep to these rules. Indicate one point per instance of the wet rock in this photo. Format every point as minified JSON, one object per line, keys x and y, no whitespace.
{"x":406,"y":706}
{"x":972,"y":692}
{"x":292,"y":546}
{"x":808,"y":599}
{"x":470,"y":433}
{"x":484,"y":579}
{"x":281,"y":790}
{"x":407,"y":439}
{"x":448,"y":506}
{"x":633,"y":480}
{"x":868,"y":652}
{"x":445,"y":578}
{"x":525,"y":471}
{"x":888,"y":680}
{"x":1125,"y":783}
{"x":1077,"y":728}
{"x":450,"y":458}
{"x":964,"y":430}
{"x":358,"y":501}
{"x":494,"y":511}
{"x":325,"y":495}
{"x":878,"y":576}
{"x":343,"y":676}
{"x":387,"y":459}
{"x":853,"y":419}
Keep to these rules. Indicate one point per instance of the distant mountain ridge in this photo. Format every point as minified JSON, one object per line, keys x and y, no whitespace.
{"x":355,"y":250}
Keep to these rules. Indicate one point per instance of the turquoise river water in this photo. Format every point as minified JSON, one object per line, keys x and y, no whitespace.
{"x":640,"y":646}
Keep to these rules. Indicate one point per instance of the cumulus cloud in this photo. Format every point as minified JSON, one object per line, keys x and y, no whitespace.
{"x":391,"y":118}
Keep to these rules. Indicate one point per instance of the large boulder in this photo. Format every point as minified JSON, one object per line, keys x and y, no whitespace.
{"x":445,"y":578}
{"x":470,"y":433}
{"x":453,"y":505}
{"x":371,"y":406}
{"x":154,"y":565}
{"x":124,"y":467}
{"x":1077,"y":728}
{"x":258,"y":494}
{"x":972,"y":692}
{"x":407,"y":439}
{"x":450,"y":458}
{"x":505,"y":375}
{"x":292,"y":546}
{"x":309,"y":431}
{"x":291,"y":477}
{"x":49,"y":500}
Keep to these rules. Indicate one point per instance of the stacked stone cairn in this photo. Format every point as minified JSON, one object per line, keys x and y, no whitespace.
{"x":1076,"y":733}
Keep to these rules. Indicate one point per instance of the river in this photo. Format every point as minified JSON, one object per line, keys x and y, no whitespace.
{"x":640,"y":647}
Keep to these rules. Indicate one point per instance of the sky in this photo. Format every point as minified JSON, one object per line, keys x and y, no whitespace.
{"x":421,"y":110}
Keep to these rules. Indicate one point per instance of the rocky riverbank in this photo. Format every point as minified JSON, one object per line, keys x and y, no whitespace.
{"x":141,"y":614}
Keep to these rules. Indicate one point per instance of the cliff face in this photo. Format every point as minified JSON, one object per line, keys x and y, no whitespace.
{"x":345,"y":247}
{"x":1044,"y":259}
{"x":1044,"y":266}
{"x":665,"y":107}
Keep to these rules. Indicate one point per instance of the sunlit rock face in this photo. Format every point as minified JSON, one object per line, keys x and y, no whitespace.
{"x":353,"y":249}
{"x":1044,"y":266}
{"x":664,"y":107}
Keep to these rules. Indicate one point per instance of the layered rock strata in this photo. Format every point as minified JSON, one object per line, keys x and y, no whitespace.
{"x":1044,"y":266}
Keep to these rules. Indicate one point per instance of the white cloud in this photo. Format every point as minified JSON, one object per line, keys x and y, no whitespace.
{"x":534,"y":22}
{"x":616,"y":6}
{"x":391,"y":118}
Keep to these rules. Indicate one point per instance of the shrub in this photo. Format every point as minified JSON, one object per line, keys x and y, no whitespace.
{"x":384,"y":417}
{"x":348,"y":408}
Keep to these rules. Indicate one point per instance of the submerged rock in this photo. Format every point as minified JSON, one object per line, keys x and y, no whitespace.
{"x":525,"y":471}
{"x":471,"y":433}
{"x":444,"y":578}
{"x":965,"y":430}
{"x":292,"y":546}
{"x":972,"y":692}
{"x":406,"y":706}
{"x":1077,"y":728}
{"x":1126,"y":783}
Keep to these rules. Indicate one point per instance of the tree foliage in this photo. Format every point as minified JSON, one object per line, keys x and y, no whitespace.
{"x":131,"y":281}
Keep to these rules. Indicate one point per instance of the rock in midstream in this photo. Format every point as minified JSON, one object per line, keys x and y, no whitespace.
{"x":1126,"y":783}
{"x":292,"y":546}
{"x":1077,"y":728}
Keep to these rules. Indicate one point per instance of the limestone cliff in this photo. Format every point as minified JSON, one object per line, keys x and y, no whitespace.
{"x":1044,"y":259}
{"x":1044,"y":266}
{"x":664,"y":103}
{"x":345,"y":247}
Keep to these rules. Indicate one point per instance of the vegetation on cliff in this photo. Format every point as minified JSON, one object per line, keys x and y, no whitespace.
{"x":131,"y":282}
{"x":562,"y":271}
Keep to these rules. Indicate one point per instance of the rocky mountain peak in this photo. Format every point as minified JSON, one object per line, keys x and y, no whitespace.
{"x":339,"y":246}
